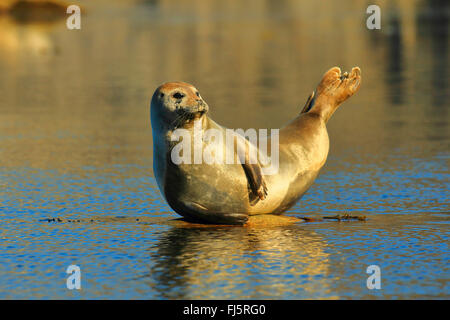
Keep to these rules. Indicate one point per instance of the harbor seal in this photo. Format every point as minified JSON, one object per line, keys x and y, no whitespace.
{"x":223,"y":193}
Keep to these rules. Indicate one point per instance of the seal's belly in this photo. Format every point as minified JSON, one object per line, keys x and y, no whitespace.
{"x":220,"y":188}
{"x":224,"y":188}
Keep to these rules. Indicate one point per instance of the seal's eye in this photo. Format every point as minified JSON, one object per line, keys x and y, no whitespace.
{"x":198,"y":94}
{"x":178,"y":95}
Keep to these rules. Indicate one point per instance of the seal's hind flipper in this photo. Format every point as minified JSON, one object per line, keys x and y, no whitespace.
{"x":334,"y":88}
{"x":195,"y":212}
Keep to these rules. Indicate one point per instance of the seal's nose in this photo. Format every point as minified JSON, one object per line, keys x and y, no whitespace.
{"x":202,"y":107}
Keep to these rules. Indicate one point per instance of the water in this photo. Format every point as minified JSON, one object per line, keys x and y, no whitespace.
{"x":75,"y":143}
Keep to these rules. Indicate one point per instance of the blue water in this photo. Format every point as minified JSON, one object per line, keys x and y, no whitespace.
{"x":129,"y":250}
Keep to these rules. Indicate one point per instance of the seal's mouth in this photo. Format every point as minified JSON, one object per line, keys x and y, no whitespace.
{"x":187,"y":114}
{"x":197,"y":111}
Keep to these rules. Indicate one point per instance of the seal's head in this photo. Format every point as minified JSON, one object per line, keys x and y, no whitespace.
{"x":177,"y":103}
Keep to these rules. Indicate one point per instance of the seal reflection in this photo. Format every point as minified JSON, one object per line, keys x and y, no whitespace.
{"x":240,"y":262}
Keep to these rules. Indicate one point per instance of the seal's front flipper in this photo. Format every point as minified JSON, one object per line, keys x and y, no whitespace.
{"x":252,"y":169}
{"x":255,"y":180}
{"x":197,"y":213}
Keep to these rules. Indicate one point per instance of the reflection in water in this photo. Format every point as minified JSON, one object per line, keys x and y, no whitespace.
{"x":25,"y":27}
{"x":15,"y":39}
{"x":433,"y":26}
{"x":34,"y":11}
{"x":394,"y":70}
{"x":247,"y":263}
{"x":75,"y":143}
